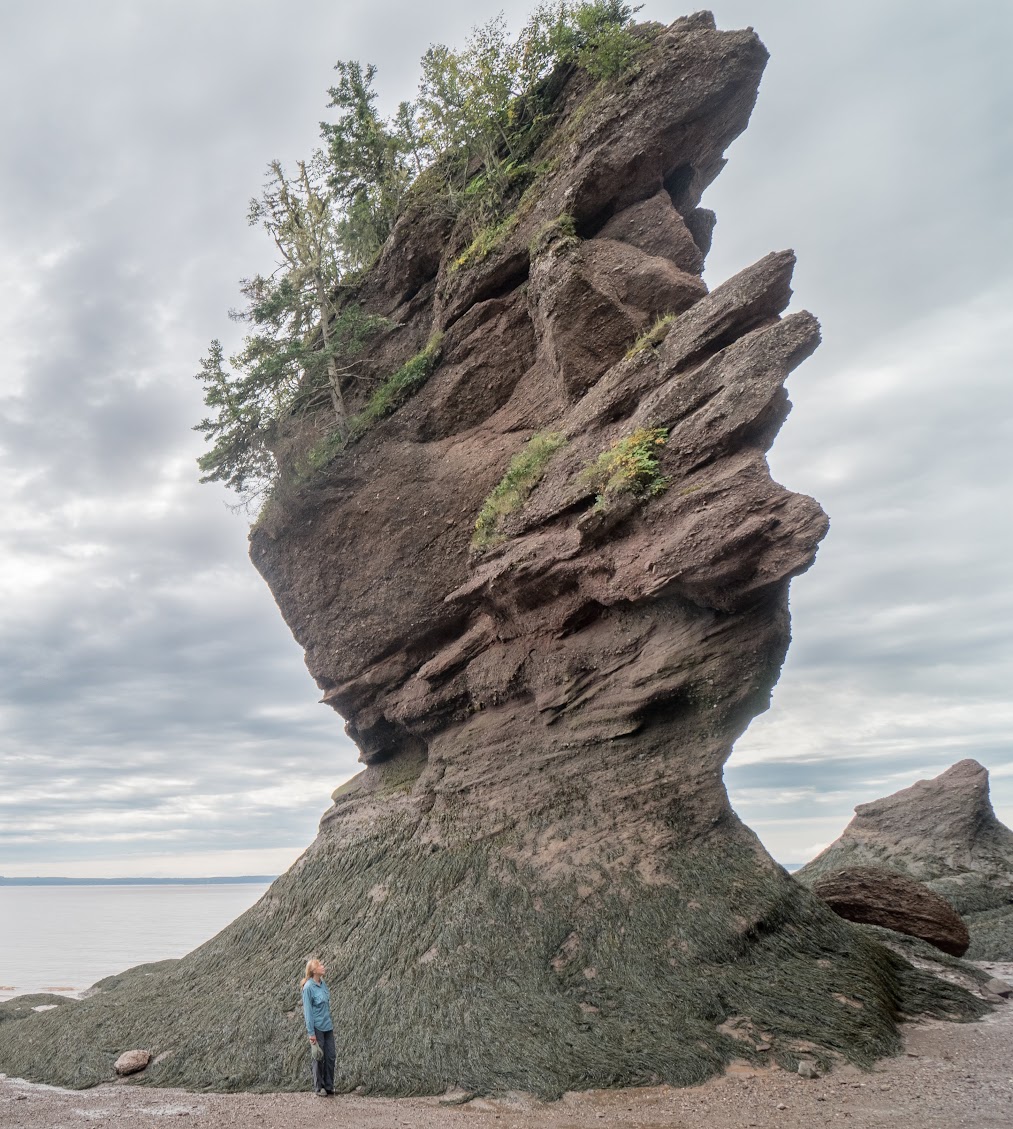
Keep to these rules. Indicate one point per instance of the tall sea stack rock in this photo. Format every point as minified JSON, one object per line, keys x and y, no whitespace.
{"x":537,"y":881}
{"x":945,"y":833}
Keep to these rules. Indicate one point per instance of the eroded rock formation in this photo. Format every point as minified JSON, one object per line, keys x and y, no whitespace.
{"x":945,"y":833}
{"x":874,"y":895}
{"x":537,"y":882}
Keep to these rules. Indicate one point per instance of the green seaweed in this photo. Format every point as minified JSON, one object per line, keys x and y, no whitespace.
{"x":991,"y":934}
{"x":451,"y":968}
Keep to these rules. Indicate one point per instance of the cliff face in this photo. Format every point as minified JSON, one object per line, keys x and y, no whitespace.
{"x":590,"y":655}
{"x":945,"y":833}
{"x":537,"y":881}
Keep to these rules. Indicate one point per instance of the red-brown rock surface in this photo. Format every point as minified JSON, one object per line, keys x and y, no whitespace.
{"x":537,"y":883}
{"x":937,"y":828}
{"x":945,"y":833}
{"x":591,"y":654}
{"x":873,"y":895}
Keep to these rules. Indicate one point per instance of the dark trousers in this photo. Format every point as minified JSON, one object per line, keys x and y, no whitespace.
{"x":323,"y":1071}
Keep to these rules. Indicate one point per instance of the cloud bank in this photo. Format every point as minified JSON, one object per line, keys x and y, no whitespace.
{"x":155,"y":716}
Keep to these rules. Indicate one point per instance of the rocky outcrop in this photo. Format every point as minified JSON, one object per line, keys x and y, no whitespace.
{"x":873,"y":895}
{"x":537,"y":881}
{"x":945,"y":833}
{"x":943,"y":827}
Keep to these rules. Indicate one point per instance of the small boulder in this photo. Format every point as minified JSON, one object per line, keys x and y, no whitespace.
{"x":807,"y":1069}
{"x":874,"y":895}
{"x":130,"y":1062}
{"x":998,"y":988}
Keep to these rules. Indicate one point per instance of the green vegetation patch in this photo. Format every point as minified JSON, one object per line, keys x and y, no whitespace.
{"x":525,"y":470}
{"x":323,"y":451}
{"x":651,"y":337}
{"x":629,"y":466}
{"x":399,"y":388}
{"x":487,"y":240}
{"x":396,"y":390}
{"x":467,"y":146}
{"x":559,"y":233}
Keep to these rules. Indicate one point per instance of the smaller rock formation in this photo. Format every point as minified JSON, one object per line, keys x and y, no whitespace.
{"x":996,"y":987}
{"x":131,"y":1062}
{"x":943,"y":826}
{"x":873,"y":895}
{"x":944,"y":833}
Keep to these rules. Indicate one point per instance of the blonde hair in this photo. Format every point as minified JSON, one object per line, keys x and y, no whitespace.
{"x":311,"y":966}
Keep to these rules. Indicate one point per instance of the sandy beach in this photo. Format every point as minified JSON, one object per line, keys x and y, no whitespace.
{"x":948,"y":1076}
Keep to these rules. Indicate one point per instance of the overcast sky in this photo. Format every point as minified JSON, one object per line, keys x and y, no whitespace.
{"x":155,"y":714}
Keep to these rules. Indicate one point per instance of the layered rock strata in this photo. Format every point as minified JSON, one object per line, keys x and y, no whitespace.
{"x":537,"y":881}
{"x":874,"y":895}
{"x":945,"y":833}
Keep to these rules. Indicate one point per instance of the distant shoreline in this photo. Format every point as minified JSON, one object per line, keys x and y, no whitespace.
{"x":232,"y":880}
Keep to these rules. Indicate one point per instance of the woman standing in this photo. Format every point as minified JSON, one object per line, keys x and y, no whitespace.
{"x":316,"y":1008}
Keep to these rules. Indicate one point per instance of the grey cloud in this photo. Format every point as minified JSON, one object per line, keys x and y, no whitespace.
{"x":141,"y":649}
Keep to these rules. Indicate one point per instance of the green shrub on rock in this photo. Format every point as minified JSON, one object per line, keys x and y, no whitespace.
{"x":559,"y":233}
{"x":523,"y":474}
{"x":399,"y":387}
{"x":629,"y":466}
{"x":651,"y":337}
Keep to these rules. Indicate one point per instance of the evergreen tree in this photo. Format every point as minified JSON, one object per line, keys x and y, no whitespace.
{"x":302,"y":344}
{"x":372,"y":163}
{"x":472,"y":129}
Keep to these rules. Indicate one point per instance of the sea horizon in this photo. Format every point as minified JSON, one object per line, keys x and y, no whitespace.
{"x":57,"y":880}
{"x":63,"y":937}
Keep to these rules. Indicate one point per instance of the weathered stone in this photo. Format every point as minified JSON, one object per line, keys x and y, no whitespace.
{"x":655,"y":227}
{"x":807,"y":1069}
{"x":998,"y":988}
{"x":943,"y":827}
{"x":130,"y":1062}
{"x":945,"y":833}
{"x":874,"y":895}
{"x":616,"y":288}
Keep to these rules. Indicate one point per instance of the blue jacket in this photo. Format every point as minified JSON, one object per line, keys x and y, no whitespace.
{"x":316,"y":1006}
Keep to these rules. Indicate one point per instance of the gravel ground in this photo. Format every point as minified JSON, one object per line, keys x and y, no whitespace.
{"x":949,"y":1075}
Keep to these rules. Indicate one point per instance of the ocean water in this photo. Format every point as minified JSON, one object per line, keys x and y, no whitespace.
{"x":64,"y":938}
